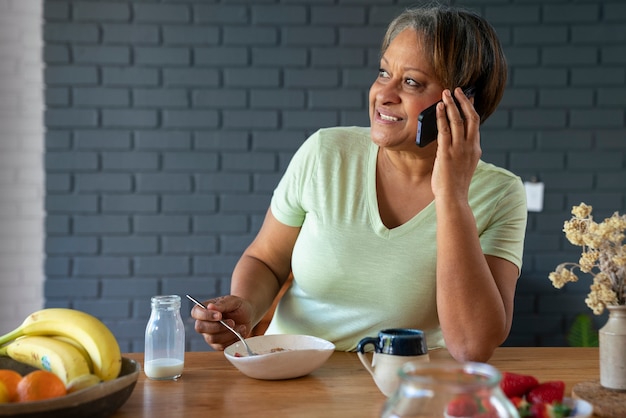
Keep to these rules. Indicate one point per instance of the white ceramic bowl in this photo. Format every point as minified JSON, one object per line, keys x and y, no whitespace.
{"x":299,"y":355}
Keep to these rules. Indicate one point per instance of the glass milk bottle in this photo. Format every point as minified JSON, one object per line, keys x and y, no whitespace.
{"x":165,"y":339}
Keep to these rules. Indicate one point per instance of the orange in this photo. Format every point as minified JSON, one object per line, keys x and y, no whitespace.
{"x":10,"y":379}
{"x":4,"y":394}
{"x":39,"y":385}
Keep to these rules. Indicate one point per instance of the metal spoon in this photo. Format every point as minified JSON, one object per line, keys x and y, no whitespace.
{"x":250,"y":352}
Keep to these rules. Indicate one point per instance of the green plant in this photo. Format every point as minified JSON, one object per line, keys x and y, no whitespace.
{"x":582,"y":333}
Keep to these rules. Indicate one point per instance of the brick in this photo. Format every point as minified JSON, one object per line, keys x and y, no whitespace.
{"x":161,"y":13}
{"x":190,"y":35}
{"x":115,"y":55}
{"x":70,"y":75}
{"x":135,"y":34}
{"x":252,"y":202}
{"x":71,"y":161}
{"x":570,"y":13}
{"x":56,"y":266}
{"x":527,"y":160}
{"x":130,"y":161}
{"x":309,"y":36}
{"x":522,"y":55}
{"x":249,"y":35}
{"x":109,"y":309}
{"x":597,"y":118}
{"x":279,"y":56}
{"x":166,"y":98}
{"x":57,"y":224}
{"x":338,"y":57}
{"x":102,"y":139}
{"x":338,"y":15}
{"x":190,"y":77}
{"x":278,"y":15}
{"x":249,"y":77}
{"x":217,"y":182}
{"x":220,"y":13}
{"x":309,"y":119}
{"x":220,"y":223}
{"x":540,"y":77}
{"x":221,"y":264}
{"x":163,"y":182}
{"x":70,"y":32}
{"x":613,"y":54}
{"x":614,"y":180}
{"x":129,"y":203}
{"x":361,"y":78}
{"x":539,"y":118}
{"x":257,"y":161}
{"x":161,"y":224}
{"x":158,"y":56}
{"x":106,"y":224}
{"x":598,"y":76}
{"x":220,"y":98}
{"x":598,"y":34}
{"x":540,"y":35}
{"x":190,"y":118}
{"x":129,"y":118}
{"x":65,"y":288}
{"x":129,"y":245}
{"x":106,"y":182}
{"x":98,"y":266}
{"x":57,"y":96}
{"x":220,"y":56}
{"x":128,"y":76}
{"x":190,"y":161}
{"x":332,"y":99}
{"x":361,"y":36}
{"x":566,"y":97}
{"x":223,"y":140}
{"x":67,"y":203}
{"x":265,"y":183}
{"x":277,"y":141}
{"x":162,"y":140}
{"x":235,"y":244}
{"x":161,"y":265}
{"x":89,"y":96}
{"x":58,"y":118}
{"x":71,"y":245}
{"x":101,"y":11}
{"x":138,"y":288}
{"x":512,"y":14}
{"x":58,"y":183}
{"x":189,"y":245}
{"x":595,"y":160}
{"x":56,"y":54}
{"x":189,"y":204}
{"x":569,"y":55}
{"x":252,"y":119}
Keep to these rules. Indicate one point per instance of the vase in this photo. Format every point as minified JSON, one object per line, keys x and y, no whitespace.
{"x":612,"y":338}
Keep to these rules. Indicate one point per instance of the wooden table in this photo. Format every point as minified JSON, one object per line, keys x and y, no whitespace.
{"x":211,"y":387}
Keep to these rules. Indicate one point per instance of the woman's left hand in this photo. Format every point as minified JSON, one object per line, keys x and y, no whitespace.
{"x":458,"y":149}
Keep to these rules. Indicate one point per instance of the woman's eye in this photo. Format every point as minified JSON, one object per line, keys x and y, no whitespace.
{"x":411,"y":82}
{"x":382,"y":73}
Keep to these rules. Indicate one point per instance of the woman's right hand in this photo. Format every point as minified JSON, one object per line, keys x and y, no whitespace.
{"x":233,"y":310}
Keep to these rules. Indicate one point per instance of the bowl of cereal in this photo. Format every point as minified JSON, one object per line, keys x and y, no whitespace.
{"x":279,"y":356}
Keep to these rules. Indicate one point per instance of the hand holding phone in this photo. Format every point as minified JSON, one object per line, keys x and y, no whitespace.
{"x":427,"y":120}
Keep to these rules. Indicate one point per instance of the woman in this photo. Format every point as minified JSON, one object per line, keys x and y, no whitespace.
{"x":381,"y":233}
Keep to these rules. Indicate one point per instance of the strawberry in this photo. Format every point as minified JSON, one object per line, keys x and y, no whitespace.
{"x":514,"y":384}
{"x":462,"y":406}
{"x":547,"y":392}
{"x":540,"y":410}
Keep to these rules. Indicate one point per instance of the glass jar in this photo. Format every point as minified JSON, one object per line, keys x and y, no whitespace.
{"x":449,"y":389}
{"x":165,"y":339}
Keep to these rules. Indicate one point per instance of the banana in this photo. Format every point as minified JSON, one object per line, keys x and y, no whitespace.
{"x":78,"y":347}
{"x":85,"y":329}
{"x":58,"y":357}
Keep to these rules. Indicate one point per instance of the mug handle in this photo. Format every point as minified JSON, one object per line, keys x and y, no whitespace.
{"x":360,"y":351}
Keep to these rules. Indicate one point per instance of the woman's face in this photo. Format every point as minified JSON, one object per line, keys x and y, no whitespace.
{"x":405,"y":86}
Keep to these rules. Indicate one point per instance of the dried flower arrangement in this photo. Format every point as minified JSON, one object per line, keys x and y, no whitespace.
{"x":603,"y":256}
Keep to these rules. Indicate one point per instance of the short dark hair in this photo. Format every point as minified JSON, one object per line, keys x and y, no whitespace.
{"x":464,"y":47}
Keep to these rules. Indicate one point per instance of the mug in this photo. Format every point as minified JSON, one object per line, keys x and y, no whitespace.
{"x":392,"y":348}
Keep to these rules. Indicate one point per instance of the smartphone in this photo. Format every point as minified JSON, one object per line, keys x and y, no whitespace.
{"x":427,"y":121}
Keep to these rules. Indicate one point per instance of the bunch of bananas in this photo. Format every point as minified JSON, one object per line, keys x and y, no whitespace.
{"x":72,"y":344}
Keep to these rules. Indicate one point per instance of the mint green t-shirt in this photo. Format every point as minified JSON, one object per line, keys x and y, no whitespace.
{"x":352,"y":275}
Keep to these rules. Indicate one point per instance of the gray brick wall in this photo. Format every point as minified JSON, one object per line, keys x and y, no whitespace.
{"x":170,"y":122}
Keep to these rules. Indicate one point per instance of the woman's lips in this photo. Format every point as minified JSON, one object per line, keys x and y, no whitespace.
{"x":388,"y":117}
